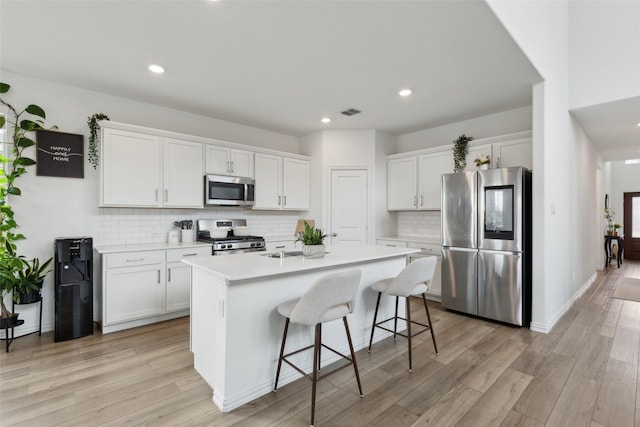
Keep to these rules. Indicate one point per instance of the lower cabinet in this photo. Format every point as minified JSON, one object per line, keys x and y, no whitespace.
{"x":426,"y":249}
{"x":145,"y":287}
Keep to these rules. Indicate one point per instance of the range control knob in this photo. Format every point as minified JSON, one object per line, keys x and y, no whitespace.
{"x":223,"y":246}
{"x":253,"y":245}
{"x":229,"y":246}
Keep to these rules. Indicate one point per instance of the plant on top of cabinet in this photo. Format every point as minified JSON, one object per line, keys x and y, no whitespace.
{"x":15,"y":269}
{"x":94,"y":138}
{"x":460,"y":150}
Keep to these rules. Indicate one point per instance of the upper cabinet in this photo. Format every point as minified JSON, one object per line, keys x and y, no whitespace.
{"x":413,"y":179}
{"x":282,"y":183}
{"x":402,"y":181}
{"x":414,"y":182}
{"x":228,"y":161}
{"x":143,"y":170}
{"x":183,"y":178}
{"x":131,"y":169}
{"x":513,"y":153}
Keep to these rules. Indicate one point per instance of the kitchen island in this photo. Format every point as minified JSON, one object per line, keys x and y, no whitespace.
{"x":236,"y":330}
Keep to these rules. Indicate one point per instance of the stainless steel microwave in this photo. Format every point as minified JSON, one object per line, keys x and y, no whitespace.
{"x":222,"y":190}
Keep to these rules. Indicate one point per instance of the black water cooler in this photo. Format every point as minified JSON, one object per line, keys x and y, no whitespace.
{"x":73,"y":287}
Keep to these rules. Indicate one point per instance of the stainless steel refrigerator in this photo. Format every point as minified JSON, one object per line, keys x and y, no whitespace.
{"x":486,"y":244}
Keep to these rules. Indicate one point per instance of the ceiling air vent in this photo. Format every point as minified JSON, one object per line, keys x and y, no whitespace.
{"x":350,"y":112}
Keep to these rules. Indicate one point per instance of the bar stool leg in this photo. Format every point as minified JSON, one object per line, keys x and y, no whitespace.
{"x":433,"y":336}
{"x":284,"y":339}
{"x":353,"y":354}
{"x":395,"y":321}
{"x":409,"y":330}
{"x":314,"y":378}
{"x":320,"y":348}
{"x":375,"y":315}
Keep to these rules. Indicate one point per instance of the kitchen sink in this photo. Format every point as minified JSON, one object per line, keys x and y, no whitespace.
{"x":283,"y":254}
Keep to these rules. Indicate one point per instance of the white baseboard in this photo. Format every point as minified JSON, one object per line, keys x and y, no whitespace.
{"x":546,"y":328}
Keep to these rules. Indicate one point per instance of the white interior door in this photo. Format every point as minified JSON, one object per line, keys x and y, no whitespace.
{"x":349,"y":204}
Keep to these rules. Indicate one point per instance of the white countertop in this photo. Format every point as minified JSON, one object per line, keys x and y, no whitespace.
{"x":108,"y":249}
{"x":254,"y":264}
{"x":428,"y":240}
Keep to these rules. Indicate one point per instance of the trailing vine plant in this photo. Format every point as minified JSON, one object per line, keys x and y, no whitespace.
{"x":13,"y":267}
{"x":460,"y":150}
{"x":94,"y":139}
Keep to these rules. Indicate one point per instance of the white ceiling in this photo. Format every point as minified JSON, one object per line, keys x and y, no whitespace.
{"x":278,"y":65}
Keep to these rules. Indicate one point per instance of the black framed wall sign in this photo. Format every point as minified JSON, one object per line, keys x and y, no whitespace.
{"x":59,"y":154}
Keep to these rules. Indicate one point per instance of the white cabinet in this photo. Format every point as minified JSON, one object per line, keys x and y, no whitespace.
{"x":131,"y":169}
{"x":183,"y":178}
{"x":143,"y":287}
{"x":228,"y":161}
{"x":431,"y":167}
{"x":428,"y":249}
{"x":414,"y":182}
{"x":507,"y":154}
{"x":281,"y":182}
{"x":133,"y":286}
{"x":281,"y":244}
{"x":178,"y":285}
{"x":402,"y":184}
{"x":392,"y":243}
{"x":142,"y":170}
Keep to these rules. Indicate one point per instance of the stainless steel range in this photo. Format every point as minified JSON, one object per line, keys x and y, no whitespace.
{"x":223,"y":235}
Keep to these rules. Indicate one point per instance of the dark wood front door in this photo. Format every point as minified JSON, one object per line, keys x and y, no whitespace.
{"x":632,"y":226}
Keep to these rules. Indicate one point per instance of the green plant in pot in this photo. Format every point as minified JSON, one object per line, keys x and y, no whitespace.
{"x":460,"y":151}
{"x":312,"y":241}
{"x":17,"y":274}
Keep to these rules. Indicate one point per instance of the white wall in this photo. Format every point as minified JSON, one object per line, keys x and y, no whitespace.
{"x":512,"y":121}
{"x":604,"y":41}
{"x":624,"y":179}
{"x":54,"y":207}
{"x":365,"y":148}
{"x":560,"y":192}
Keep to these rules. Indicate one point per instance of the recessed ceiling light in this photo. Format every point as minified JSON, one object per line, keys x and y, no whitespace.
{"x":156,"y":68}
{"x":325,"y":120}
{"x":405,"y":92}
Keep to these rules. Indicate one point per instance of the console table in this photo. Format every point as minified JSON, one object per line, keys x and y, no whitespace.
{"x":607,"y":249}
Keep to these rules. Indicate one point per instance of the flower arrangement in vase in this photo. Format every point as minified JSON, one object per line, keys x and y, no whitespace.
{"x":483,"y":161}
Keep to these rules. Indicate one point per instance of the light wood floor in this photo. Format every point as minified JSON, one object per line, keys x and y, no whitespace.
{"x":585,"y":372}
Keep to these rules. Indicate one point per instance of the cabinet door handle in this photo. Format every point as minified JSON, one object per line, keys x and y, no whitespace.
{"x":135,"y":259}
{"x":421,"y":200}
{"x":280,"y":247}
{"x":279,"y":200}
{"x":231,"y":166}
{"x":156,"y":194}
{"x":285,"y":201}
{"x":158,"y":276}
{"x":166,"y":195}
{"x":168,"y":274}
{"x":415,"y":201}
{"x":193,"y":254}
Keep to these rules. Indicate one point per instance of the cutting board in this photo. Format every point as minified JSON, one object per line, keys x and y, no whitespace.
{"x":300,"y":226}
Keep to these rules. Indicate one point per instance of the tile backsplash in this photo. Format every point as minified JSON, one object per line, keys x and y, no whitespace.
{"x":125,"y":226}
{"x":419,"y":224}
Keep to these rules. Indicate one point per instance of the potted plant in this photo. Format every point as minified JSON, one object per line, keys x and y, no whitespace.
{"x":312,"y":241}
{"x":616,"y":226}
{"x":460,"y":150}
{"x":17,"y":274}
{"x":29,"y":287}
{"x":483,"y":162}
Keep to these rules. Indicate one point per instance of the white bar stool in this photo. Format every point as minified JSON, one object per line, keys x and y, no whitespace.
{"x":329,"y":298}
{"x":413,"y":280}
